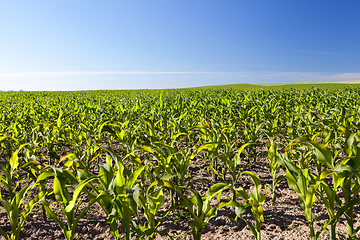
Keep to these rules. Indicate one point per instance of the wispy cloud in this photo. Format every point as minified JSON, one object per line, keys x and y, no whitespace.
{"x":327,"y":53}
{"x":80,"y":80}
{"x":311,"y":76}
{"x":84,"y":73}
{"x":340,"y":77}
{"x":292,"y":74}
{"x":67,"y":80}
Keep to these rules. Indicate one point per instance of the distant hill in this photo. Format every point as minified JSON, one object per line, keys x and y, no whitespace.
{"x":296,"y":85}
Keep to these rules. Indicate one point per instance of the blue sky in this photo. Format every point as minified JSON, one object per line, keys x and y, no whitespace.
{"x":80,"y":45}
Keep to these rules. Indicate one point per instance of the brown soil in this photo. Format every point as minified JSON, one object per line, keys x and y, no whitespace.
{"x":285,"y":220}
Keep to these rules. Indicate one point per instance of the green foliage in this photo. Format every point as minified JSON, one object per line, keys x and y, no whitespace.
{"x":132,"y":152}
{"x":63,"y":181}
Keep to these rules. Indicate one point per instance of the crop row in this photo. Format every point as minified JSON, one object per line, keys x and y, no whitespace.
{"x":130,"y":152}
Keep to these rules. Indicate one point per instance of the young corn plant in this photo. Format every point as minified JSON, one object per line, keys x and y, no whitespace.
{"x":344,"y":172}
{"x":198,"y":206}
{"x":121,"y":199}
{"x":304,"y":183}
{"x":350,"y":185}
{"x":127,"y":197}
{"x":274,"y":168}
{"x":18,"y":191}
{"x":211,"y":151}
{"x":252,"y":133}
{"x":171,"y":164}
{"x":151,"y":201}
{"x":16,"y":208}
{"x":106,"y":185}
{"x":232,"y":164}
{"x":230,"y":159}
{"x":254,"y":202}
{"x":200,"y":209}
{"x":63,"y":181}
{"x":327,"y":193}
{"x":211,"y":145}
{"x":342,"y":163}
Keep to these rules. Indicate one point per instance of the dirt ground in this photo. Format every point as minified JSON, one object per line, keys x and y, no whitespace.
{"x":283,"y":221}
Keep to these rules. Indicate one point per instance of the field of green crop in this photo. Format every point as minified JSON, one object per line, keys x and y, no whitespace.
{"x":129,"y":152}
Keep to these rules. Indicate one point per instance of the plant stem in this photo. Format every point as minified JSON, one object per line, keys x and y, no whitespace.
{"x":312,"y":232}
{"x":333,"y":233}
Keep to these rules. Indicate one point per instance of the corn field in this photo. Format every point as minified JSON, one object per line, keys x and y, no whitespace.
{"x":130,"y":154}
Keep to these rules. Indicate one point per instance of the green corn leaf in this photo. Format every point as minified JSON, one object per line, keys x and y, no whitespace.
{"x":342,"y":210}
{"x":157,"y":200}
{"x":197,"y":199}
{"x":4,"y":234}
{"x":256,"y":194}
{"x":322,"y":153}
{"x":329,"y":137}
{"x":162,"y":183}
{"x":19,"y":197}
{"x":208,"y":146}
{"x":77,"y":192}
{"x":210,"y":214}
{"x":278,"y":179}
{"x":325,"y":173}
{"x":44,"y":175}
{"x":168,"y":176}
{"x":309,"y":202}
{"x":292,"y":182}
{"x":231,"y":203}
{"x":134,"y":176}
{"x":258,"y":215}
{"x":146,"y":148}
{"x":240,"y":192}
{"x":14,"y":160}
{"x":216,"y":188}
{"x":59,"y":189}
{"x":240,"y":151}
{"x":31,"y":163}
{"x":107,"y":174}
{"x":59,"y":122}
{"x":120,"y":180}
{"x":339,"y":178}
{"x":50,"y":213}
{"x":342,"y":168}
{"x":6,"y":205}
{"x":302,"y":182}
{"x":349,"y":143}
{"x":239,"y":211}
